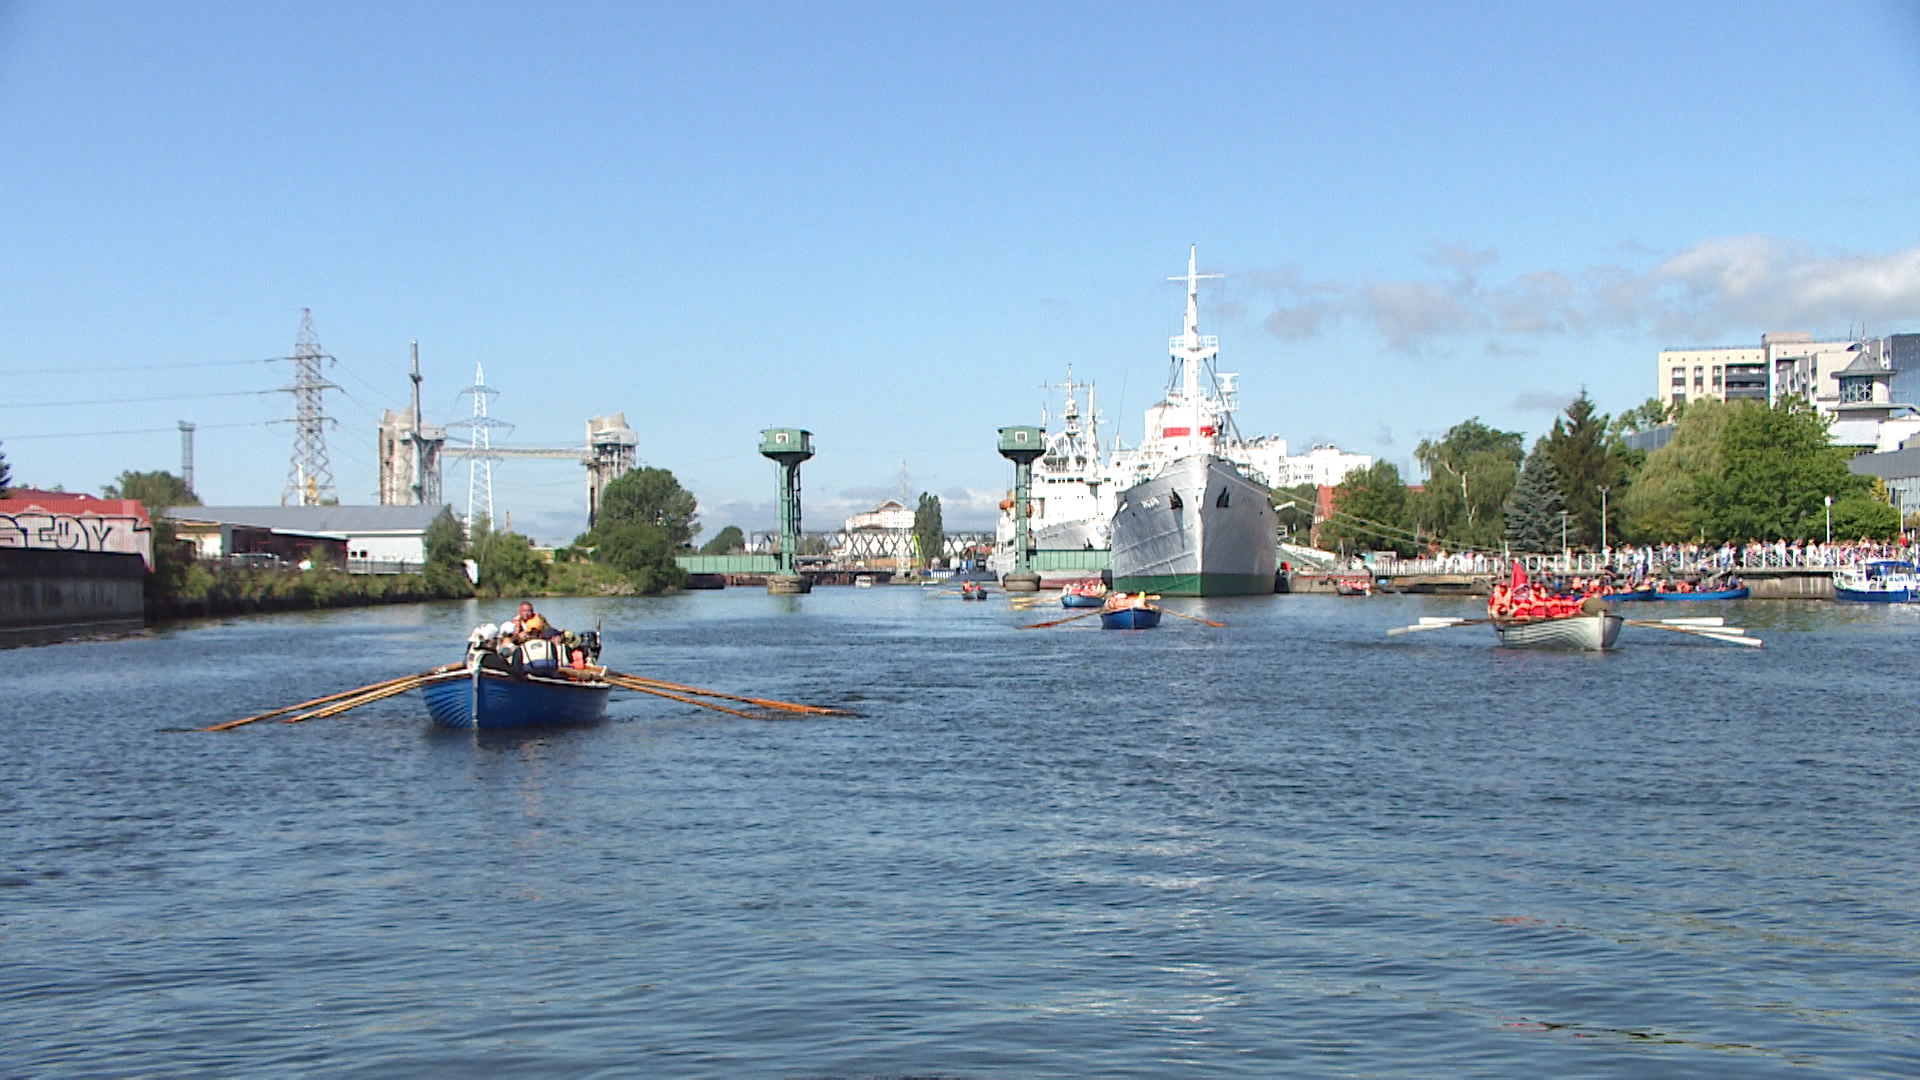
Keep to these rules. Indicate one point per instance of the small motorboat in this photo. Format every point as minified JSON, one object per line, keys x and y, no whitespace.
{"x":1882,"y":581}
{"x":972,"y":590}
{"x":864,"y":581}
{"x":1124,"y":612}
{"x":1352,"y":588}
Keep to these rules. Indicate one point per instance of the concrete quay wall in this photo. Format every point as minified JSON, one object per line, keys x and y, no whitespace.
{"x":48,"y":595}
{"x":1787,"y":583}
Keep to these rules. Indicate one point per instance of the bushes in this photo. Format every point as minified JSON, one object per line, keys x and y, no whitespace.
{"x":202,"y":590}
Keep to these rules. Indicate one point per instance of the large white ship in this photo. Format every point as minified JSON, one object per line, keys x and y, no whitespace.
{"x":1070,"y":504}
{"x":1194,"y":517}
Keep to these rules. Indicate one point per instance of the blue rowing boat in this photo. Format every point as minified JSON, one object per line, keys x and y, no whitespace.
{"x":1081,"y":600}
{"x":1717,"y":594}
{"x":487,"y":699}
{"x":1130,"y":618}
{"x":1634,"y":594}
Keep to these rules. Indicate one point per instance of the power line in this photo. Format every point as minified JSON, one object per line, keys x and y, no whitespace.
{"x":136,"y":431}
{"x":135,"y":400}
{"x":55,"y":368}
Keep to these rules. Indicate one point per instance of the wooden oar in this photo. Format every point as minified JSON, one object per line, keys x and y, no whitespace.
{"x":1731,"y":635}
{"x":368,"y":699}
{"x":1057,"y":622}
{"x":1664,"y":625}
{"x":230,"y":724}
{"x":1192,"y":618}
{"x":641,"y":688}
{"x":765,"y":703}
{"x":1443,"y":624}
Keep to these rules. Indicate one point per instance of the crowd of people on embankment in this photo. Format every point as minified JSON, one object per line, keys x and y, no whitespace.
{"x":1647,"y":559}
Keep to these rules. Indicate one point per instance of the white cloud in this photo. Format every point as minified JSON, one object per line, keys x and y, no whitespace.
{"x":1721,"y":287}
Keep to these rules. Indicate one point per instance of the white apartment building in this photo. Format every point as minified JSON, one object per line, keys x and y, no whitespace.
{"x":1326,"y":465}
{"x":1721,"y":372}
{"x":1800,"y":365}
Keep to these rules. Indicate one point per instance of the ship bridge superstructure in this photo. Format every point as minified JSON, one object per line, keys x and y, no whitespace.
{"x":1196,"y":415}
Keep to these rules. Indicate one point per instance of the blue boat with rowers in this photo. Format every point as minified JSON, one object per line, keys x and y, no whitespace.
{"x":522,"y":673}
{"x":1128,"y":612}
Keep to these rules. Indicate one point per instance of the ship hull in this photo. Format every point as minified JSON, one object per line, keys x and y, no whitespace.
{"x":1199,"y":528}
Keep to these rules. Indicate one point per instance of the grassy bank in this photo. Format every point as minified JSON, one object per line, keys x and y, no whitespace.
{"x":201,"y":591}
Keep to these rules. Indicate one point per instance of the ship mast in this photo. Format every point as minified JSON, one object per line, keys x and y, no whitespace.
{"x":1190,"y":350}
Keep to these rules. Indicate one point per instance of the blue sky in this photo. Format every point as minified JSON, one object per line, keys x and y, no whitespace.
{"x":892,"y":224}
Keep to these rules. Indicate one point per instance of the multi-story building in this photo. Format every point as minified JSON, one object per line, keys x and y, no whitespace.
{"x":1799,"y":365}
{"x":1721,"y":372}
{"x":1903,"y":355}
{"x":1326,"y":465}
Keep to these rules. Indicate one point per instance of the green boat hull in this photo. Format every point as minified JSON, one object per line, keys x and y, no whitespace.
{"x":1197,"y":584}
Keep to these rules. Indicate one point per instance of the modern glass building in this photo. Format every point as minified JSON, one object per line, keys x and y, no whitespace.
{"x":1903,"y":355}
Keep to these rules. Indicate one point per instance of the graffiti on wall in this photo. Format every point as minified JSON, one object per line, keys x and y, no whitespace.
{"x":106,"y":525}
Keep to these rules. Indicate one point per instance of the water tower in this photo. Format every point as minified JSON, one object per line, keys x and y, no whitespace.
{"x":788,"y":447}
{"x":1021,"y":445}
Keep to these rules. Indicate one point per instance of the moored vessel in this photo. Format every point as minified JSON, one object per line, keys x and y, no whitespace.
{"x":1193,"y":522}
{"x":1882,"y":581}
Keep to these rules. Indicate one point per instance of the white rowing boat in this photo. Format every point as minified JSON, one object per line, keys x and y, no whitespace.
{"x":1592,"y":632}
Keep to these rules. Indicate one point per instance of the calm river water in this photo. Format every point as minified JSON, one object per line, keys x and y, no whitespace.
{"x":1291,"y":846}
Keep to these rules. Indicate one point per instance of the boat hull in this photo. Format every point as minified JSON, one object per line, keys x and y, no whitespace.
{"x":1130,"y":619}
{"x":1623,"y":597}
{"x":1075,"y":600}
{"x":1199,"y":528}
{"x":1591,"y":632}
{"x":1873,"y":596}
{"x":1720,"y":594}
{"x":497,"y":700}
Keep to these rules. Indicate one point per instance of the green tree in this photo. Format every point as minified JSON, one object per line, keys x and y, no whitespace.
{"x":1533,"y":509}
{"x":1662,"y":504}
{"x":643,"y":554}
{"x":1777,"y":469}
{"x":1586,"y":458}
{"x":446,"y":544}
{"x":154,"y":489}
{"x":725,"y":542}
{"x":6,"y":474}
{"x":1865,"y":515}
{"x":1645,"y":416}
{"x":1470,"y":471}
{"x":929,"y":533}
{"x":1294,"y":508}
{"x":508,"y":563}
{"x":650,"y":497}
{"x":1370,"y":511}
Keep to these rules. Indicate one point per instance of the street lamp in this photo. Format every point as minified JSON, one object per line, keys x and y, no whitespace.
{"x":1829,"y":519}
{"x":1603,"y":519}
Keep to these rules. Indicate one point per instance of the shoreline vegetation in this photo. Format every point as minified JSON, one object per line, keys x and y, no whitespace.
{"x":1730,"y":473}
{"x":646,"y":519}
